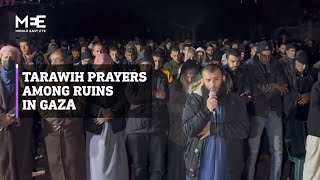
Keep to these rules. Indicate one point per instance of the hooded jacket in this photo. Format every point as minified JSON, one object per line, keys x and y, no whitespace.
{"x":179,"y":91}
{"x":204,"y":58}
{"x":234,"y":130}
{"x":314,"y":113}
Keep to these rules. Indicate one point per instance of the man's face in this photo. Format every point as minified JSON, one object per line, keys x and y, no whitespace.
{"x":233,"y":62}
{"x":25,"y":47}
{"x":190,"y":78}
{"x":129,"y":56}
{"x":97,"y":50}
{"x":291,"y":53}
{"x":114,"y":56}
{"x":227,"y":46}
{"x":76,"y":54}
{"x":282,"y":49}
{"x":235,"y":46}
{"x":300,"y":67}
{"x":215,"y":46}
{"x":138,"y":47}
{"x":151,"y":44}
{"x":145,"y":67}
{"x":265,"y":56}
{"x":200,"y":55}
{"x":212,"y":81}
{"x":83,"y":49}
{"x":210,"y":51}
{"x":254,"y":50}
{"x":190,"y":55}
{"x":310,"y":43}
{"x":175,"y":56}
{"x":157,"y":62}
{"x":8,"y":56}
{"x":57,"y":59}
{"x":169,"y":45}
{"x":185,"y":49}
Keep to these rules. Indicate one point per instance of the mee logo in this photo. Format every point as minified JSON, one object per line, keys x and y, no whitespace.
{"x":33,"y":24}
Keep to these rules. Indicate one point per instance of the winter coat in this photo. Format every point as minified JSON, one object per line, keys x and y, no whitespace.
{"x":234,"y":130}
{"x":265,"y":95}
{"x":173,"y":68}
{"x":178,"y":97}
{"x":146,"y":113}
{"x":298,"y":84}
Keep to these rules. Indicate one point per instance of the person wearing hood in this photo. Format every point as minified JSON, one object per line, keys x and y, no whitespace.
{"x":201,"y":56}
{"x":179,"y":90}
{"x":173,"y":65}
{"x":311,"y":170}
{"x":51,"y":48}
{"x":148,"y":123}
{"x":140,"y":50}
{"x":290,"y":55}
{"x":216,"y":123}
{"x":15,"y":134}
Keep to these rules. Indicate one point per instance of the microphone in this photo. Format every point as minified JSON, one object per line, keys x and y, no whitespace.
{"x":212,"y":94}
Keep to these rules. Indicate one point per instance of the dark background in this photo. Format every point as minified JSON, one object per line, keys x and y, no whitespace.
{"x":178,"y":19}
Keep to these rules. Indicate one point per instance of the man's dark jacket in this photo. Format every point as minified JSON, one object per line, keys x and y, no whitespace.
{"x":118,"y":104}
{"x":234,"y":130}
{"x":263,"y":84}
{"x":298,"y":83}
{"x":148,"y":114}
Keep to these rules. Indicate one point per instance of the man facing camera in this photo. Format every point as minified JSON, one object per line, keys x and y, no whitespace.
{"x":216,"y":123}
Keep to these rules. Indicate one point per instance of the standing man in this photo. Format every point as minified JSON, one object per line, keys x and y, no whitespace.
{"x":148,"y":123}
{"x":290,"y":55}
{"x":311,"y":166}
{"x":32,"y":59}
{"x":15,"y":135}
{"x":268,"y":85}
{"x":216,"y":123}
{"x":173,"y":65}
{"x":180,"y":89}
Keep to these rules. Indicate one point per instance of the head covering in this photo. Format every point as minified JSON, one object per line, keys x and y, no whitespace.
{"x":263,"y":46}
{"x":290,"y":46}
{"x":302,"y":58}
{"x":200,"y":49}
{"x":12,"y":49}
{"x":85,"y":55}
{"x":190,"y":64}
{"x":102,"y":59}
{"x":147,"y":55}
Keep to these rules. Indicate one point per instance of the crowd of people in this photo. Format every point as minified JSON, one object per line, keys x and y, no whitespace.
{"x":202,"y":117}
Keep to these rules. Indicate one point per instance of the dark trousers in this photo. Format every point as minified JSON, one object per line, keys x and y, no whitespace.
{"x":147,"y":155}
{"x":176,"y":165}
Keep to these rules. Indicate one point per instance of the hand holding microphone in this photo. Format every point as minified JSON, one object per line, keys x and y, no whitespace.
{"x":212,"y":102}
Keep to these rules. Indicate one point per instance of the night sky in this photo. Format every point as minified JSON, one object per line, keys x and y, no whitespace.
{"x":122,"y":19}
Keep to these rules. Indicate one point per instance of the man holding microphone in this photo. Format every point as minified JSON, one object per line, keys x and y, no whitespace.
{"x":216,"y":123}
